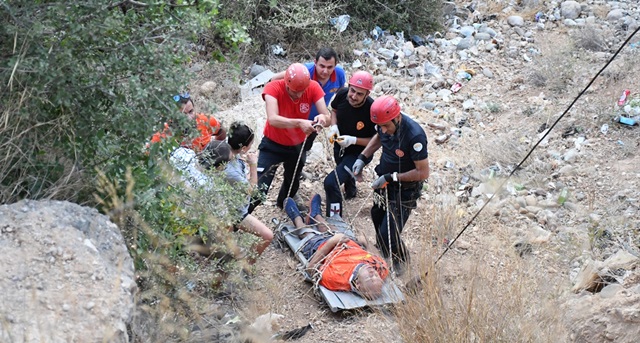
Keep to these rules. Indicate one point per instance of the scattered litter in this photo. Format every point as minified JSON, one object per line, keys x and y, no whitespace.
{"x":376,"y":33}
{"x":449,"y":165}
{"x":625,"y":120}
{"x":432,"y":70}
{"x":442,"y":139}
{"x":604,"y":128}
{"x":562,"y":198}
{"x":417,"y":40}
{"x":463,"y":75}
{"x":277,"y":50}
{"x":456,"y":87}
{"x":623,"y":97}
{"x":340,"y":22}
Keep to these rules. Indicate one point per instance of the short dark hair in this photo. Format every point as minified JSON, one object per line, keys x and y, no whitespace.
{"x":215,"y":154}
{"x":327,"y":54}
{"x":240,"y":135}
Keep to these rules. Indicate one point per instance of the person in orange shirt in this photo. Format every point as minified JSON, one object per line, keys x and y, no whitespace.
{"x":208,"y":126}
{"x":340,"y":262}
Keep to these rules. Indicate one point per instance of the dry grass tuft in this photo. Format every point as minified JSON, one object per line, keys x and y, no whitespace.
{"x":591,"y":38}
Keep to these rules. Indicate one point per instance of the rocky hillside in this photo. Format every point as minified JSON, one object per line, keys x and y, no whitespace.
{"x":554,"y":256}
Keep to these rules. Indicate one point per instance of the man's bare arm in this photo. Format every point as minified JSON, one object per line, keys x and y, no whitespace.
{"x":321,"y":253}
{"x":421,"y":172}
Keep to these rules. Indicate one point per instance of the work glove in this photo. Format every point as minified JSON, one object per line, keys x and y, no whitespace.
{"x":359,"y":164}
{"x":345,"y":141}
{"x":333,"y":133}
{"x":382,"y":181}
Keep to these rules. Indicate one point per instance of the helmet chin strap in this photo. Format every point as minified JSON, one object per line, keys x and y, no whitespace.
{"x":395,"y":123}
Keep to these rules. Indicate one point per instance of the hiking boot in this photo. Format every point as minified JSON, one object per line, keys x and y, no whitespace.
{"x":291,"y":208}
{"x":315,"y":208}
{"x":300,"y":203}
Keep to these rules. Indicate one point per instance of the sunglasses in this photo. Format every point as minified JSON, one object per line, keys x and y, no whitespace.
{"x":182,"y":98}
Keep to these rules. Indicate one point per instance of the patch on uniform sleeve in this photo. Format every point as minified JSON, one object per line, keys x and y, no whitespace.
{"x":417,"y":147}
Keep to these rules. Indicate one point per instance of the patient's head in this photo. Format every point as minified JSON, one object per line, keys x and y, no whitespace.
{"x":368,"y":282}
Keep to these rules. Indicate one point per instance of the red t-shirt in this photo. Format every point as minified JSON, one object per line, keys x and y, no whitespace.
{"x":289,"y":109}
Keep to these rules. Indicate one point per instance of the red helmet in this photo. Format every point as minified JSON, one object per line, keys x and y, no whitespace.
{"x":297,"y":77}
{"x":362,"y":79}
{"x":384,"y":109}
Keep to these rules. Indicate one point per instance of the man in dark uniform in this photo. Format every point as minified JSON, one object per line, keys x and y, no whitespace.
{"x":350,"y":112}
{"x":403,"y":167}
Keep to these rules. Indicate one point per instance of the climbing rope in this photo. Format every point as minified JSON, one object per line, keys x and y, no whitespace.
{"x":536,"y":145}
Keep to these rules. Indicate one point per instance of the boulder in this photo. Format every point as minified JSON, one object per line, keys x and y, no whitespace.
{"x":570,"y":9}
{"x":66,"y":275}
{"x":515,"y":20}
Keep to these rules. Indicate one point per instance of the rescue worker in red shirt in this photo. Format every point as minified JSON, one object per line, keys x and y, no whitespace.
{"x":288,"y":103}
{"x":337,"y":260}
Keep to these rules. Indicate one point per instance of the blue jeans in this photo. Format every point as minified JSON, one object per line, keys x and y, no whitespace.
{"x":401,"y":202}
{"x":332,"y":184}
{"x":270,"y":157}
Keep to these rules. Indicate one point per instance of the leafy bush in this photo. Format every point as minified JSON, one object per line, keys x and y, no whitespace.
{"x":84,"y":85}
{"x":303,"y":27}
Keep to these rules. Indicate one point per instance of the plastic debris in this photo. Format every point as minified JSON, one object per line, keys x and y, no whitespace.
{"x":340,"y":22}
{"x":456,"y":87}
{"x":277,"y":50}
{"x":432,"y":70}
{"x":625,"y":120}
{"x":623,"y":97}
{"x":376,"y":32}
{"x":417,"y":40}
{"x":604,"y":129}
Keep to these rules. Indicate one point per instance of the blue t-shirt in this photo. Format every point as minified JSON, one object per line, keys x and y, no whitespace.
{"x":335,"y":82}
{"x":408,"y":144}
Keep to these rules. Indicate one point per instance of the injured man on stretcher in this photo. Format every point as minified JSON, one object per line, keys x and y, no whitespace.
{"x":341,"y":263}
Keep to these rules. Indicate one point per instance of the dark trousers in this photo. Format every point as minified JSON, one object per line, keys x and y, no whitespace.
{"x":270,"y":157}
{"x":401,"y":202}
{"x":338,"y":177}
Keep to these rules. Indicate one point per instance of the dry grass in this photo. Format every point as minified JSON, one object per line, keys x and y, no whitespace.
{"x":29,"y":167}
{"x":591,"y":38}
{"x":480,"y":296}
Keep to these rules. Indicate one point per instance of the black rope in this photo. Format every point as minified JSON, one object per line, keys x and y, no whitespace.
{"x":537,"y":143}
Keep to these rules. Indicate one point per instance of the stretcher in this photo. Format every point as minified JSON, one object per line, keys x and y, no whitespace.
{"x":336,"y":300}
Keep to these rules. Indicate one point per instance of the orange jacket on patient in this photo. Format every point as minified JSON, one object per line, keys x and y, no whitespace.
{"x":208,"y":126}
{"x":339,"y":265}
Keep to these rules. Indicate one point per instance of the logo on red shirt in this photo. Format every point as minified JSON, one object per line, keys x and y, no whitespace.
{"x":304,"y":108}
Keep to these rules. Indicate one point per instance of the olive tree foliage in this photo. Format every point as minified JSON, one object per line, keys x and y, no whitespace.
{"x":84,"y":84}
